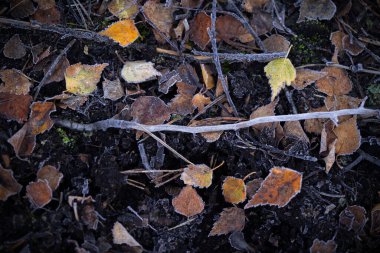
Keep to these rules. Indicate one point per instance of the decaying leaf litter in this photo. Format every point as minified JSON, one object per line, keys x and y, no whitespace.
{"x":169,"y":126}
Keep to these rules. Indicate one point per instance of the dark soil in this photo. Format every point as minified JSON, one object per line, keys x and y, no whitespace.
{"x":268,"y":229}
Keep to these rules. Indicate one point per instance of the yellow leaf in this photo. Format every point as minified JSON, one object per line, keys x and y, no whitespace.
{"x":280,"y":72}
{"x":123,"y":9}
{"x":234,"y":190}
{"x":198,"y":175}
{"x":81,"y":79}
{"x":123,"y":32}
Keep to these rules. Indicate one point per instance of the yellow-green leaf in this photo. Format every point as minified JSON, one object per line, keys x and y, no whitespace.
{"x":280,"y":72}
{"x":123,"y":9}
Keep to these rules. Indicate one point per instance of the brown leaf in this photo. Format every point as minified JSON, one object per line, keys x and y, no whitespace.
{"x":305,"y":77}
{"x":250,"y":5}
{"x":113,"y":89}
{"x":23,"y":141}
{"x":59,"y":71}
{"x":8,"y":184}
{"x":316,"y":10}
{"x":14,"y":48}
{"x":336,"y":82}
{"x":47,"y":16}
{"x":342,"y":102}
{"x":229,"y":28}
{"x":69,"y":101}
{"x":161,"y":17}
{"x":234,"y":190}
{"x":39,"y":193}
{"x":231,"y":219}
{"x":351,"y":46}
{"x":21,"y":8}
{"x":327,"y":136}
{"x":315,"y":126}
{"x":198,"y":30}
{"x":167,"y":80}
{"x":188,"y":202}
{"x":375,"y":220}
{"x":278,"y":188}
{"x":336,"y":39}
{"x":15,"y":82}
{"x":191,"y":3}
{"x":45,"y":4}
{"x":276,"y":43}
{"x":253,"y":186}
{"x":353,"y":218}
{"x":261,"y":21}
{"x":198,"y":175}
{"x":323,"y":247}
{"x":51,"y":174}
{"x":200,"y":101}
{"x":330,"y":158}
{"x":293,"y":129}
{"x":40,"y":120}
{"x":15,"y":107}
{"x":266,"y":110}
{"x":150,"y":110}
{"x":181,"y":103}
{"x":348,"y":137}
{"x":209,"y":136}
{"x":121,"y":235}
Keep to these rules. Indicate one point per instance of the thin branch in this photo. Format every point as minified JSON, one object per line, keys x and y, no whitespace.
{"x":354,"y":68}
{"x":124,"y":124}
{"x":227,"y":57}
{"x":212,"y":34}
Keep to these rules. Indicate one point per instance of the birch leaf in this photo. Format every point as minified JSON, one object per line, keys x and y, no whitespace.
{"x":280,"y":72}
{"x":123,"y":32}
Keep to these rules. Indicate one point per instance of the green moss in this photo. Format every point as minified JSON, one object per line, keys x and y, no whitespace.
{"x":374,"y":94}
{"x":66,"y":139}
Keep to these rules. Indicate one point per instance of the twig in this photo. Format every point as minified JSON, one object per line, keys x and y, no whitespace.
{"x":138,"y":216}
{"x":227,"y":57}
{"x":290,"y":100}
{"x":212,"y":34}
{"x":354,"y":68}
{"x":148,"y":171}
{"x":53,"y":67}
{"x":182,"y":224}
{"x":369,"y":158}
{"x":124,"y":124}
{"x":331,"y":195}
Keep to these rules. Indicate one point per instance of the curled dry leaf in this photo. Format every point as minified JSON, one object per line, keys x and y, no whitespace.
{"x":351,"y":46}
{"x":208,"y":79}
{"x":251,"y":5}
{"x":229,"y":28}
{"x":261,"y":21}
{"x":336,"y":82}
{"x":150,"y":110}
{"x":123,"y":32}
{"x":278,"y":188}
{"x":161,"y":17}
{"x":181,"y":103}
{"x":39,"y":193}
{"x":8,"y":184}
{"x":199,"y":101}
{"x":305,"y":77}
{"x":47,"y":16}
{"x":348,"y":137}
{"x":316,"y":10}
{"x":231,"y":219}
{"x":330,"y":158}
{"x":375,"y":220}
{"x":121,"y":235}
{"x":293,"y":129}
{"x":167,"y":80}
{"x":123,"y":9}
{"x":323,"y":247}
{"x":336,"y":39}
{"x":234,"y":190}
{"x":276,"y":43}
{"x":15,"y":107}
{"x":51,"y":174}
{"x":198,"y":30}
{"x":139,"y":71}
{"x":198,"y":175}
{"x":353,"y":218}
{"x":81,"y":79}
{"x":15,"y":82}
{"x":14,"y":48}
{"x":280,"y":72}
{"x":113,"y":89}
{"x":40,"y":120}
{"x":23,"y":141}
{"x":188,"y":202}
{"x":21,"y":8}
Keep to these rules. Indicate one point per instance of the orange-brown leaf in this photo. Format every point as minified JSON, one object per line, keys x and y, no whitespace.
{"x":15,"y":107}
{"x":231,"y":219}
{"x":51,"y":174}
{"x":39,"y":193}
{"x":150,"y":110}
{"x":305,"y":77}
{"x":348,"y":137}
{"x":188,"y":202}
{"x":15,"y":82}
{"x":234,"y":190}
{"x":123,"y":32}
{"x":40,"y":120}
{"x":200,"y":101}
{"x":336,"y":82}
{"x":198,"y":30}
{"x":8,"y":184}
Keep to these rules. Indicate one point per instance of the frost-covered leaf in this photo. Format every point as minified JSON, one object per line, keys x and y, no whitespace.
{"x":348,"y":137}
{"x":139,"y":71}
{"x":161,"y":17}
{"x":14,"y":48}
{"x":353,"y":218}
{"x":21,"y":8}
{"x":188,"y":202}
{"x":305,"y":77}
{"x":316,"y":10}
{"x":229,"y":28}
{"x":261,"y":21}
{"x":234,"y":190}
{"x":39,"y":193}
{"x":181,"y":103}
{"x":231,"y":219}
{"x":47,"y":16}
{"x":8,"y":184}
{"x":81,"y":79}
{"x":336,"y":82}
{"x":276,"y":43}
{"x":278,"y":188}
{"x":15,"y":82}
{"x":320,"y":246}
{"x":123,"y":9}
{"x":150,"y":110}
{"x":15,"y":107}
{"x":250,"y":5}
{"x":123,"y":32}
{"x":351,"y":46}
{"x":280,"y":72}
{"x":113,"y":89}
{"x":199,"y":175}
{"x":51,"y":174}
{"x":198,"y":30}
{"x":40,"y":120}
{"x":121,"y":236}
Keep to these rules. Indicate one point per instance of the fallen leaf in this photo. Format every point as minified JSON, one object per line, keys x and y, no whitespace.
{"x":305,"y":77}
{"x":40,"y":120}
{"x":293,"y":129}
{"x":181,"y":104}
{"x":330,"y":158}
{"x":280,"y":72}
{"x":45,"y":4}
{"x":234,"y":190}
{"x":14,"y":48}
{"x":39,"y":193}
{"x":336,"y":82}
{"x":150,"y":110}
{"x":348,"y":137}
{"x":336,"y":39}
{"x":113,"y":89}
{"x":375,"y":220}
{"x":15,"y":107}
{"x":250,"y":5}
{"x":253,"y":186}
{"x":59,"y":71}
{"x":39,"y":52}
{"x":353,"y":218}
{"x":123,"y":9}
{"x":123,"y":32}
{"x":261,"y":21}
{"x":323,"y":247}
{"x":198,"y":30}
{"x":188,"y":202}
{"x":209,"y":136}
{"x":208,"y":79}
{"x":199,"y":101}
{"x":81,"y":79}
{"x":139,"y":71}
{"x":199,"y":175}
{"x":327,"y":137}
{"x":23,"y":141}
{"x":191,"y":3}
{"x":229,"y":28}
{"x":15,"y":82}
{"x":52,"y":176}
{"x":315,"y":126}
{"x":8,"y":184}
{"x":278,"y":188}
{"x":231,"y":219}
{"x":316,"y":10}
{"x":161,"y":17}
{"x":180,"y":29}
{"x":167,"y":80}
{"x":120,"y":235}
{"x":238,"y":242}
{"x":262,"y":111}
{"x":351,"y":46}
{"x":47,"y":16}
{"x":342,"y":102}
{"x":21,"y":8}
{"x":276,"y":43}
{"x":69,"y":101}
